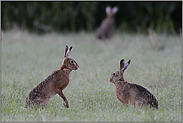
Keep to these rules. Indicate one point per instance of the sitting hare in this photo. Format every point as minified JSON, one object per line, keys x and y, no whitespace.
{"x":53,"y":84}
{"x":129,"y":92}
{"x":106,"y":28}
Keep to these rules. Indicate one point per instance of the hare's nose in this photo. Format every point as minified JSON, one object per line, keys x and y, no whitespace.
{"x":77,"y":66}
{"x":109,"y":79}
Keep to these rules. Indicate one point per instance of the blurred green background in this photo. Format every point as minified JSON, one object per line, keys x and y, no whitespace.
{"x":43,"y":17}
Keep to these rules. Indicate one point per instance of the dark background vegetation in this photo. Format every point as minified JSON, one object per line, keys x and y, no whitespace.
{"x":68,"y":16}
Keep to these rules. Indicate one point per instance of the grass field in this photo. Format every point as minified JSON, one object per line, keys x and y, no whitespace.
{"x":27,"y":59}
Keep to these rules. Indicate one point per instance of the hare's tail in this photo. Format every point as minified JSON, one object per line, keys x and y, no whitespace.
{"x":153,"y":102}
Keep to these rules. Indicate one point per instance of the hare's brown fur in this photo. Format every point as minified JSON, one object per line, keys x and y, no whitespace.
{"x":127,"y":92}
{"x":135,"y":94}
{"x":53,"y":84}
{"x":106,"y":28}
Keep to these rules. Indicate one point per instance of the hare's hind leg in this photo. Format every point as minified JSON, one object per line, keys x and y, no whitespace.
{"x":29,"y":103}
{"x":138,"y":103}
{"x":40,"y":102}
{"x":44,"y":102}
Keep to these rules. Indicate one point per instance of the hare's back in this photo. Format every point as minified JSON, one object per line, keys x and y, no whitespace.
{"x":140,"y":91}
{"x":145,"y":96}
{"x":46,"y":86}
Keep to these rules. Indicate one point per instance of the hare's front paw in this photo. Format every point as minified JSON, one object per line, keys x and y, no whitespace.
{"x":66,"y":104}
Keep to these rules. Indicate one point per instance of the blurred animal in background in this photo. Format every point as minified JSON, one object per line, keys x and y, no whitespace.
{"x":154,"y":40}
{"x":106,"y":29}
{"x":53,"y":84}
{"x":127,"y":92}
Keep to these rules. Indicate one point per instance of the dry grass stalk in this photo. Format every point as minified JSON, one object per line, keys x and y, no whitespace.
{"x":153,"y":38}
{"x":43,"y":117}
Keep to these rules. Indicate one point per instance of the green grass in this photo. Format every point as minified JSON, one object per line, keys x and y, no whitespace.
{"x":27,"y":59}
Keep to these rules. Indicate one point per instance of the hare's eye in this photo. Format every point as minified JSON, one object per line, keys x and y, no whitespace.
{"x":72,"y":61}
{"x":113,"y":74}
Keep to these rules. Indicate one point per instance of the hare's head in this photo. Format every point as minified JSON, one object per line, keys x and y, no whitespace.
{"x":69,"y":63}
{"x":111,"y":11}
{"x":118,"y":75}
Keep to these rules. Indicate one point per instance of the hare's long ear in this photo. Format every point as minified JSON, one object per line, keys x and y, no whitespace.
{"x":66,"y":49}
{"x":108,"y":9}
{"x":114,"y":10}
{"x":121,"y":65}
{"x":126,"y":65}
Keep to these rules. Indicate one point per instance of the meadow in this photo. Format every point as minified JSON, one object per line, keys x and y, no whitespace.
{"x":27,"y":59}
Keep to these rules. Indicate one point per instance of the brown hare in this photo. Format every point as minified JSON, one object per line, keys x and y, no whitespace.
{"x":53,"y":84}
{"x":106,"y":28}
{"x":127,"y":92}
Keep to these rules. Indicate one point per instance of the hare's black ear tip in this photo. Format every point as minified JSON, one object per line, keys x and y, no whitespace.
{"x":121,"y":60}
{"x":66,"y":46}
{"x":70,"y":47}
{"x":129,"y":61}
